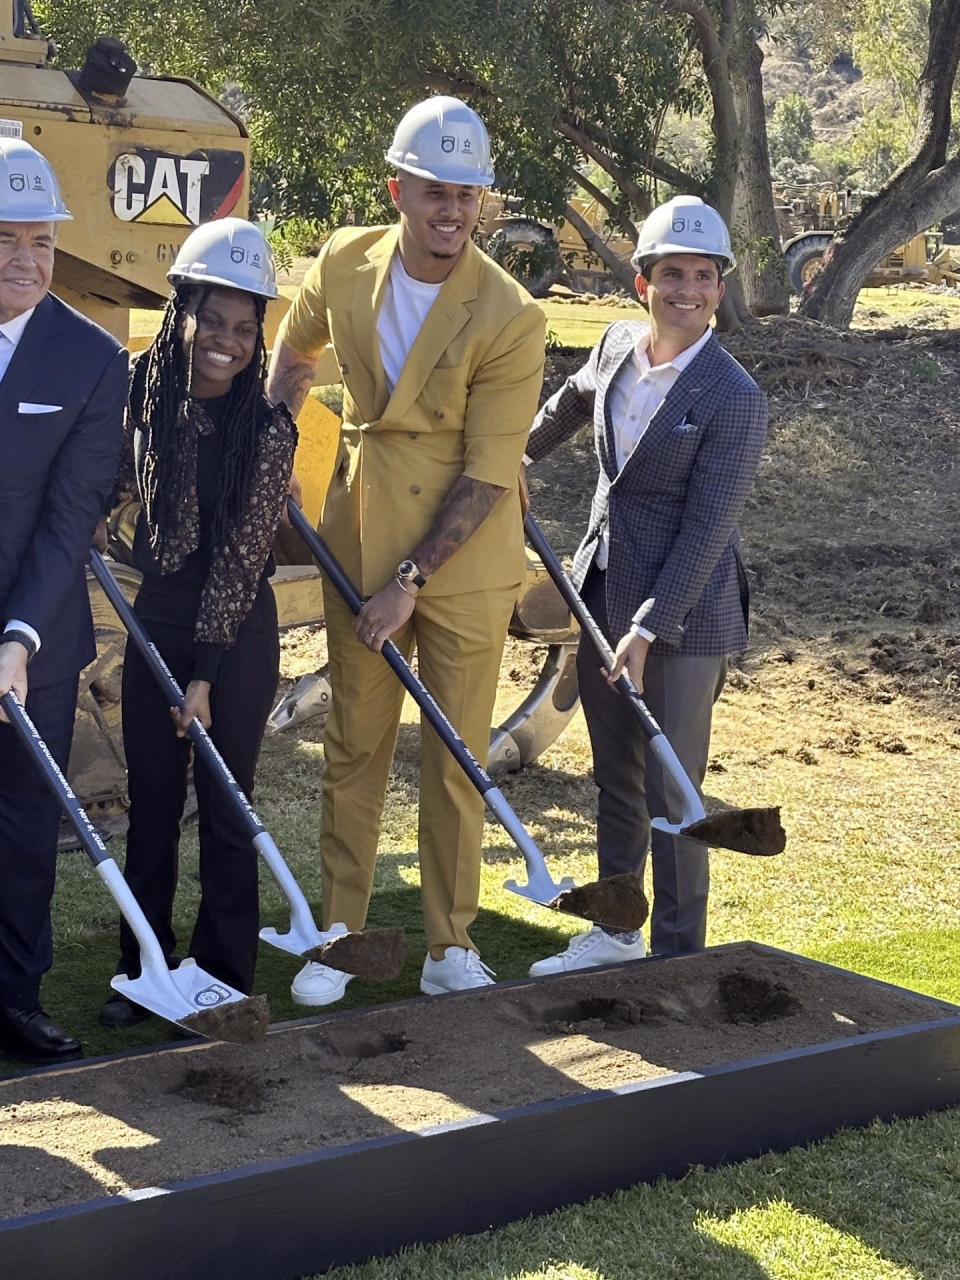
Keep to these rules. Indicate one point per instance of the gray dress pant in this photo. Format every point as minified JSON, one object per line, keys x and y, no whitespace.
{"x":680,"y":692}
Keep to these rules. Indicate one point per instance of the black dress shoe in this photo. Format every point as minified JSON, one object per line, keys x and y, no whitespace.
{"x":121,"y":1012}
{"x":29,"y":1036}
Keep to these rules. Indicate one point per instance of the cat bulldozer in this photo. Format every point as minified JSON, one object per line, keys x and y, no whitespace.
{"x":142,"y":160}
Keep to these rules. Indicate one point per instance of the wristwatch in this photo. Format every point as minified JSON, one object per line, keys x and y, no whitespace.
{"x":407,"y":571}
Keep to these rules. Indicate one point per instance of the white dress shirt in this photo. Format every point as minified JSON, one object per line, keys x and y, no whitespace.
{"x":11,"y":331}
{"x":636,"y":393}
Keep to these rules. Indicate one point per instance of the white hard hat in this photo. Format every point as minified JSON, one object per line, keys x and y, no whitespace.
{"x":230,"y":252}
{"x":29,"y":191}
{"x":445,"y":140}
{"x":684,"y":225}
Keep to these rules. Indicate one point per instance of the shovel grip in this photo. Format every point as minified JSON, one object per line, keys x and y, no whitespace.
{"x":415,"y":687}
{"x":201,"y":740}
{"x":43,"y":759}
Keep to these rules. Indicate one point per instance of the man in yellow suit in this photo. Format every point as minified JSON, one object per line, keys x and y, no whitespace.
{"x":441,"y":355}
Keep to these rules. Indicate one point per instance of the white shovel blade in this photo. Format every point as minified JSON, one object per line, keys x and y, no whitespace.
{"x":540,"y":888}
{"x":176,"y":994}
{"x":302,"y":936}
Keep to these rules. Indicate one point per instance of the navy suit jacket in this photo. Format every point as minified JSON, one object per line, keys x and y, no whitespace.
{"x":56,"y":475}
{"x":672,"y":510}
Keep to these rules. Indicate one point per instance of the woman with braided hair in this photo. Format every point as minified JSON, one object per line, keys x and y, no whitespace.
{"x":210,"y":459}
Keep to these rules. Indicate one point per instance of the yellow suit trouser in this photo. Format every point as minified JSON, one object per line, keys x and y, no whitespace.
{"x":459,"y":642}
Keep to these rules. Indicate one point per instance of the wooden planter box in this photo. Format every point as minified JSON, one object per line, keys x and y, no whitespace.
{"x":297,"y":1216}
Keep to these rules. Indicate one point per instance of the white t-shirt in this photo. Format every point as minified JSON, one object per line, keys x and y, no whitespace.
{"x":404,"y":308}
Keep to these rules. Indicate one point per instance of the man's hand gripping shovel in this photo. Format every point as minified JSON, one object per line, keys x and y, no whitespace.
{"x":374,"y":953}
{"x":617,"y":902}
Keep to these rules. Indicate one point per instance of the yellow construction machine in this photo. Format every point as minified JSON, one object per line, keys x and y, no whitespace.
{"x":141,"y":161}
{"x":810,"y":216}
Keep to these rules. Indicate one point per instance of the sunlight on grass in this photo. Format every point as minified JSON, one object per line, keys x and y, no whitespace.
{"x":791,"y":1245}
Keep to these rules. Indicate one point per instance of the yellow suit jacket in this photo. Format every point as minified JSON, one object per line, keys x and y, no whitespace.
{"x":463,"y":404}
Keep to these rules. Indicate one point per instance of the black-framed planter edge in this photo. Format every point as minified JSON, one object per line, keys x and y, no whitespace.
{"x":300,"y":1215}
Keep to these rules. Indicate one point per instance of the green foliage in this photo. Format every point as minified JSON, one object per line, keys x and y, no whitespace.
{"x":322,"y":86}
{"x":790,"y":132}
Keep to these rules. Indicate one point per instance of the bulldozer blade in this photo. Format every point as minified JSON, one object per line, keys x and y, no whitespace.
{"x":366,"y":953}
{"x":616,"y":901}
{"x":757,"y":832}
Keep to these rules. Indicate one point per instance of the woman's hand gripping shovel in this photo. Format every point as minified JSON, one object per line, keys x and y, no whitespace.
{"x":617,"y":902}
{"x":374,"y":953}
{"x":753,"y":831}
{"x":187,"y":995}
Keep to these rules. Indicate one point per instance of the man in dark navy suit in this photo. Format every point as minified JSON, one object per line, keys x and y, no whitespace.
{"x":62,"y":395}
{"x":679,"y":428}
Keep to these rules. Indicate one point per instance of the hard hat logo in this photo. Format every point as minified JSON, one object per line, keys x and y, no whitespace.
{"x":237,"y":254}
{"x":448,"y":144}
{"x":17,"y":181}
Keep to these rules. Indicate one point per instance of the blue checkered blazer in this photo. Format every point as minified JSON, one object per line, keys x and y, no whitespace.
{"x":674,"y":564}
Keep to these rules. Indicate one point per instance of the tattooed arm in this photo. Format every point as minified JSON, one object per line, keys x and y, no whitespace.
{"x":290,"y":378}
{"x":463,"y":510}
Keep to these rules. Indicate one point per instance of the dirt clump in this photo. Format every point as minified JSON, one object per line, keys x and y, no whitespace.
{"x":616,"y":901}
{"x":238,"y":1021}
{"x":368,"y":953}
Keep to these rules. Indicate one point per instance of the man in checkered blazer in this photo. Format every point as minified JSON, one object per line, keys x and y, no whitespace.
{"x":679,"y":428}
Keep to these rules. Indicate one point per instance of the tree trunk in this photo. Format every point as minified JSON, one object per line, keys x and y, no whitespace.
{"x":755,"y":231}
{"x":922,"y":191}
{"x":618,"y":267}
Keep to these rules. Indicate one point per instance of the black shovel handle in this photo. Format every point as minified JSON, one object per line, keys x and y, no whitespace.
{"x":203,"y":743}
{"x":415,"y":687}
{"x":588,"y":624}
{"x":43,"y":758}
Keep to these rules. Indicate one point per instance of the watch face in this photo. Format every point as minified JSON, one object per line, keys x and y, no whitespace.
{"x":406,"y":569}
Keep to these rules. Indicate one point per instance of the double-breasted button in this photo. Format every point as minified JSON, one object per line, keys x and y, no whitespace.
{"x":413,"y":434}
{"x":344,"y":367}
{"x":414,"y":488}
{"x":438,"y":413}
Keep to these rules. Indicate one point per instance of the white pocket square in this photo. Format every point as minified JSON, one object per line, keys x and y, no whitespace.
{"x":25,"y":406}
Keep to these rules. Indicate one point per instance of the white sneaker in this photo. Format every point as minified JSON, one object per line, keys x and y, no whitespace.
{"x":318,"y":984}
{"x":459,"y":970}
{"x":591,"y":949}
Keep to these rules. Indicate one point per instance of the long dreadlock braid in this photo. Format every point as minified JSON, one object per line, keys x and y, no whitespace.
{"x":163,"y":413}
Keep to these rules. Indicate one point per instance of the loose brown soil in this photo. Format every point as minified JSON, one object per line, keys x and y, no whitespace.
{"x":199,"y":1108}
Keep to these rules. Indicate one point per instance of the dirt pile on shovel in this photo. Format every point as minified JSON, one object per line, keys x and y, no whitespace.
{"x":617,"y":901}
{"x":238,"y":1021}
{"x":368,"y":953}
{"x":754,"y":831}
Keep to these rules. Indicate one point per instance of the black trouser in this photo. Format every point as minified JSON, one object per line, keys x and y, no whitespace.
{"x":225,"y":935}
{"x":29,"y":821}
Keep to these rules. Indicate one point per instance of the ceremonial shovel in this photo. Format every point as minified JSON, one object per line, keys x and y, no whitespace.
{"x":617,"y":901}
{"x":188,"y":995}
{"x":754,"y":831}
{"x":375,"y":953}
